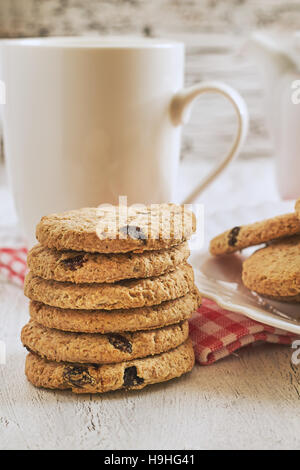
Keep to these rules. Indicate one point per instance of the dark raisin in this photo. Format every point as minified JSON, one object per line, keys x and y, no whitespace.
{"x":131,"y":378}
{"x":78,"y":376}
{"x":232,"y":237}
{"x":134,"y":232}
{"x":74,"y":263}
{"x":120,"y":342}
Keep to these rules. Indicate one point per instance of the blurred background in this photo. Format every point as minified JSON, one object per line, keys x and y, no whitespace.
{"x":213,"y":32}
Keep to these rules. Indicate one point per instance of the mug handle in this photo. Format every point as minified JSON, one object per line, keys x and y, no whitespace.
{"x":180,"y":113}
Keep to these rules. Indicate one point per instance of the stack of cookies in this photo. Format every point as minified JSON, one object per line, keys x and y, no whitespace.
{"x":110,"y":301}
{"x":274,"y":270}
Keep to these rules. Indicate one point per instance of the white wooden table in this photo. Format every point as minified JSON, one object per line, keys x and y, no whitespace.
{"x":249,"y":400}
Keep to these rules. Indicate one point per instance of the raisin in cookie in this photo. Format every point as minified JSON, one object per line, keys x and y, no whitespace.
{"x":124,"y":294}
{"x":255,"y":234}
{"x":275,"y":270}
{"x":130,"y":375}
{"x":82,"y":267}
{"x":113,"y":230}
{"x":114,"y":321}
{"x":61,"y":346}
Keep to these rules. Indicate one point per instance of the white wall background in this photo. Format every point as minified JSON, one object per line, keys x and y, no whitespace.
{"x":213,"y":31}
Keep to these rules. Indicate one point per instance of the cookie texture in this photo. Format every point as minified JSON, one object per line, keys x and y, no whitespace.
{"x":114,"y":321}
{"x":125,"y":294}
{"x":61,"y":346}
{"x":275,"y":269}
{"x":117,"y":230}
{"x":82,"y":267}
{"x":130,"y":375}
{"x":255,"y":234}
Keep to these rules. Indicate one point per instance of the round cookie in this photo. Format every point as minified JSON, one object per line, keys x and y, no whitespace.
{"x":130,"y":375}
{"x":125,"y":294}
{"x":255,"y":234}
{"x":114,"y":321}
{"x":113,"y":230}
{"x":82,"y":267}
{"x":61,"y":346}
{"x":275,"y":270}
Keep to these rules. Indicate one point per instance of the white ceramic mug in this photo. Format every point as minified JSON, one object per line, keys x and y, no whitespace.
{"x":87,"y":120}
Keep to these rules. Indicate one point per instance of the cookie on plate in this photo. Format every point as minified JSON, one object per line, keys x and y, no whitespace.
{"x":82,"y":267}
{"x":62,"y":346}
{"x":130,"y":375}
{"x":242,"y":237}
{"x":124,"y":294}
{"x":275,"y":270}
{"x":115,"y":321}
{"x":117,"y":229}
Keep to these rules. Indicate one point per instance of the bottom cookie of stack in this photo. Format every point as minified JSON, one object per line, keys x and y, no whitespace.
{"x":134,"y":374}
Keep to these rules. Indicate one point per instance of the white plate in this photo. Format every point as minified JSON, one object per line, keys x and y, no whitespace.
{"x":219,"y":278}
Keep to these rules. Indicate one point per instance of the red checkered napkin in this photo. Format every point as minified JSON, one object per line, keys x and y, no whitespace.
{"x":13,"y":264}
{"x":216,"y":333}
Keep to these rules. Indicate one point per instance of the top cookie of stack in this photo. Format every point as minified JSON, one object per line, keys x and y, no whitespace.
{"x":97,"y":272}
{"x":117,"y":230}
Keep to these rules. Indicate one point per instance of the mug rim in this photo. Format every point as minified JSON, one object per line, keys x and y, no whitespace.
{"x":93,"y":42}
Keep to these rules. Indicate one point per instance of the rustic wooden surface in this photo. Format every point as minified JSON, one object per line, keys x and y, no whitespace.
{"x":247,"y":401}
{"x":250,"y":400}
{"x":213,"y":31}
